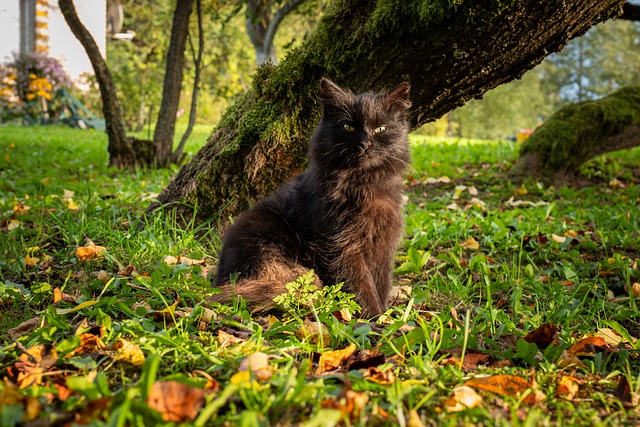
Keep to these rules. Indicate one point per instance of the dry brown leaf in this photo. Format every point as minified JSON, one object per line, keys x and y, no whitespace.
{"x":568,"y":387}
{"x":9,"y":395}
{"x":90,"y":252}
{"x":175,"y":401}
{"x":23,"y":328}
{"x":126,"y":351}
{"x":624,"y":393}
{"x":331,"y":360}
{"x":463,"y":397}
{"x":225,"y":339}
{"x":543,"y":336}
{"x":89,"y":344}
{"x":470,"y":361}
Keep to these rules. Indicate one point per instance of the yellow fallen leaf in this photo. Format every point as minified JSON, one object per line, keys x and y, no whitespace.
{"x":126,"y":351}
{"x":471,"y":244}
{"x":558,"y":239}
{"x":20,"y":208}
{"x":31,"y":261}
{"x":571,"y":233}
{"x":71,"y":205}
{"x":414,"y":419}
{"x":520,"y":191}
{"x":68,"y":194}
{"x":634,"y":290}
{"x":90,"y":252}
{"x":331,"y":360}
{"x":13,"y":224}
{"x":463,"y":397}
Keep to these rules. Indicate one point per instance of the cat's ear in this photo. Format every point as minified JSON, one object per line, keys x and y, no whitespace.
{"x":399,"y":96}
{"x":332,"y":94}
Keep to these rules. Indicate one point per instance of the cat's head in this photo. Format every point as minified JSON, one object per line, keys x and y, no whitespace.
{"x":362,"y":131}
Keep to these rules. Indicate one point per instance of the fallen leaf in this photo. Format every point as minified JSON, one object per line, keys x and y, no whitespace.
{"x":23,"y":328}
{"x":611,"y":337}
{"x":175,"y":401}
{"x":10,"y":396}
{"x":258,"y":364}
{"x":331,"y":360}
{"x":589,"y":346}
{"x":128,"y":352}
{"x":543,"y":336}
{"x":463,"y":397}
{"x":568,"y":387}
{"x":470,"y":361}
{"x":520,"y":191}
{"x":33,"y":363}
{"x":90,"y":252}
{"x":349,"y":402}
{"x":172,"y":260}
{"x":568,"y":359}
{"x":13,"y":224}
{"x":89,"y":344}
{"x":558,"y":239}
{"x":381,"y":377}
{"x":20,"y":208}
{"x":225,"y":339}
{"x":365,"y":359}
{"x":571,"y":233}
{"x":414,"y":419}
{"x":504,"y":384}
{"x":471,"y":244}
{"x":624,"y":393}
{"x":31,"y":261}
{"x":71,"y":205}
{"x":634,"y":290}
{"x":312,"y":332}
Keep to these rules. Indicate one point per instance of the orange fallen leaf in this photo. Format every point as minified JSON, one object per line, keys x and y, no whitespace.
{"x":381,"y":377}
{"x":331,"y":360}
{"x":349,"y":402}
{"x":568,"y":387}
{"x":31,"y":261}
{"x":175,"y":401}
{"x":589,"y":346}
{"x":89,"y":344}
{"x":90,"y":252}
{"x":504,"y":384}
{"x":20,"y":208}
{"x":414,"y":419}
{"x":32,"y":365}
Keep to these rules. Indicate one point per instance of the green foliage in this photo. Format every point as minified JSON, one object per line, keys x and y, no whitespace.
{"x":303,"y":297}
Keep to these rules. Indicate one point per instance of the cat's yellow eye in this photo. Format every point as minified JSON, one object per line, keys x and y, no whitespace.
{"x":380,"y":129}
{"x":348,"y":128}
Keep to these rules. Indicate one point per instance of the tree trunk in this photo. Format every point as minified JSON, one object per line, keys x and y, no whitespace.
{"x":577,"y":133}
{"x":165,"y":127}
{"x":450,"y":54}
{"x":121,"y":151}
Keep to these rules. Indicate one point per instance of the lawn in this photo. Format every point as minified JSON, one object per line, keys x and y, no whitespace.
{"x":514,"y":304}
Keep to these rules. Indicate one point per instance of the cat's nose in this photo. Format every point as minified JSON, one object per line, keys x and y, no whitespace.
{"x":364,"y":144}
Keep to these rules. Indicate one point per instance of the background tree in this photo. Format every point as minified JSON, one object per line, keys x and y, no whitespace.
{"x":449,"y":53}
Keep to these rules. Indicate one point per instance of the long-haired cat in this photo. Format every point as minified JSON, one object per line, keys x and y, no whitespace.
{"x":342,"y":217}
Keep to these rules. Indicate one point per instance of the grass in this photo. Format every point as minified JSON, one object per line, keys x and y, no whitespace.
{"x":484,"y":263}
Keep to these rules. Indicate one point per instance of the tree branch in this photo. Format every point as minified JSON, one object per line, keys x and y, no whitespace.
{"x":630,"y":12}
{"x":280,"y":14}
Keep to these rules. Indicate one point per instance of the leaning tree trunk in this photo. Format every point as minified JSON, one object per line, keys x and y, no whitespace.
{"x":121,"y":152}
{"x":450,"y":54}
{"x":577,"y":133}
{"x":166,"y":124}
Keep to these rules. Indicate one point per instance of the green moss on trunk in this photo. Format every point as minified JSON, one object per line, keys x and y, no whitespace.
{"x":579,"y":132}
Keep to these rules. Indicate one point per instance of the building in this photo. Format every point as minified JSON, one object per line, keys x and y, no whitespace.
{"x":38,"y":26}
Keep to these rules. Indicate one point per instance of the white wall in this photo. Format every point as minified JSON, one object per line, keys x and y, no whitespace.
{"x":9,"y":29}
{"x":62,"y":43}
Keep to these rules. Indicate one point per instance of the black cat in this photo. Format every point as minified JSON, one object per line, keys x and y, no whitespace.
{"x":342,"y":217}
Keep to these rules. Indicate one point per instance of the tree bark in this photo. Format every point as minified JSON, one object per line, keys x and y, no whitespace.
{"x":165,"y":127}
{"x":450,"y":54}
{"x":577,"y":133}
{"x":121,"y":151}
